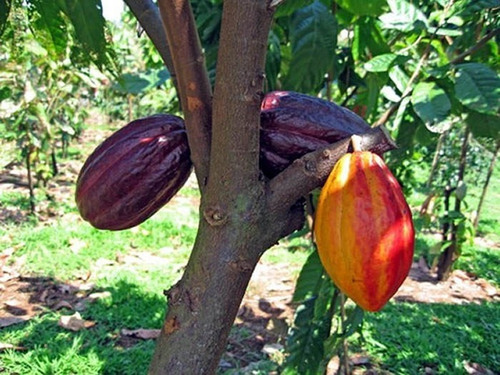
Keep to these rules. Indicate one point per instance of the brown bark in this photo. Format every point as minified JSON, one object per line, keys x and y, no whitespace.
{"x":193,"y":85}
{"x":242,"y":214}
{"x":450,"y":254}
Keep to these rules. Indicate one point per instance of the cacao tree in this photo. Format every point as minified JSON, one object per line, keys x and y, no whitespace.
{"x":420,"y":68}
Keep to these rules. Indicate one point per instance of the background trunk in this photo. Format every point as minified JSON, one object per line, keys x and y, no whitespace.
{"x":486,"y":183}
{"x":450,"y":254}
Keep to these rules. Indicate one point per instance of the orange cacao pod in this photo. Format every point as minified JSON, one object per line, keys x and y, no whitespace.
{"x":364,"y":230}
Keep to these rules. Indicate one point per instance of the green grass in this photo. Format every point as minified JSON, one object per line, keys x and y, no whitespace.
{"x":403,"y":338}
{"x":406,"y":338}
{"x":52,"y":350}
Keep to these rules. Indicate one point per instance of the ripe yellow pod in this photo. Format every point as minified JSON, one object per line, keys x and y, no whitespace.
{"x":364,"y":230}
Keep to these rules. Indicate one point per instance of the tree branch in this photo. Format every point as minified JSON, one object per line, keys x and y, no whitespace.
{"x":311,"y":171}
{"x":148,"y":16}
{"x":408,"y":90}
{"x":194,"y":87}
{"x":480,"y":44}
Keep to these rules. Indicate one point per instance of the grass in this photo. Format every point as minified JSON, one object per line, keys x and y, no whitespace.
{"x":403,"y":338}
{"x":408,"y":338}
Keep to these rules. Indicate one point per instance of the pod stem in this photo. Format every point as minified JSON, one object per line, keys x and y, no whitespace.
{"x":356,"y":143}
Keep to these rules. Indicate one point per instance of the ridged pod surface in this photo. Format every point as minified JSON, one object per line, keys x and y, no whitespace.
{"x":134,"y":172}
{"x":364,"y":230}
{"x":294,"y":124}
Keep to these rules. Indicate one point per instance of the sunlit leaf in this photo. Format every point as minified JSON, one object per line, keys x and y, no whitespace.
{"x":404,"y":16}
{"x":399,"y":77}
{"x":309,"y":280}
{"x":478,"y":87}
{"x":432,"y":105}
{"x":88,"y":22}
{"x":51,"y":28}
{"x":287,"y":7}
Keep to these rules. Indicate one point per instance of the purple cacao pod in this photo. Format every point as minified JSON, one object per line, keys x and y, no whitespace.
{"x":134,"y":172}
{"x":294,"y":124}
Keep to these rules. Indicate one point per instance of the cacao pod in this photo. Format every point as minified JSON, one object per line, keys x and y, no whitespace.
{"x":134,"y":172}
{"x":294,"y":124}
{"x":364,"y":230}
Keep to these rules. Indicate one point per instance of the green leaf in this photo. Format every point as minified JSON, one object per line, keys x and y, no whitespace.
{"x":478,"y":87}
{"x":404,"y":16}
{"x":287,"y":8}
{"x":367,"y":35}
{"x":381,"y":63}
{"x":313,"y":35}
{"x":363,"y":7}
{"x":432,"y":105}
{"x":401,"y":112}
{"x":51,"y":27}
{"x":305,"y":341}
{"x":273,"y":60}
{"x":467,"y":8}
{"x":482,"y":125}
{"x":399,"y":77}
{"x":374,"y":86}
{"x":309,"y":280}
{"x":88,"y":22}
{"x":130,"y":83}
{"x":4,"y":14}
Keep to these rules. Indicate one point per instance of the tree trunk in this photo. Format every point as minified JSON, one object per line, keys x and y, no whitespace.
{"x":435,"y":160}
{"x":30,"y":181}
{"x":486,"y":183}
{"x":241,"y":213}
{"x":450,"y":254}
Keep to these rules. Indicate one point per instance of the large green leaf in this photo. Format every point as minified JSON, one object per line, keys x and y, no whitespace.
{"x":478,"y":87}
{"x":432,"y":105}
{"x":363,"y":7}
{"x":88,"y":22}
{"x":404,"y":16}
{"x":466,"y":8}
{"x":273,"y":60}
{"x":4,"y":14}
{"x":483,"y":125}
{"x":51,"y":28}
{"x":129,"y":83}
{"x":305,"y":341}
{"x":313,"y":34}
{"x":309,"y":280}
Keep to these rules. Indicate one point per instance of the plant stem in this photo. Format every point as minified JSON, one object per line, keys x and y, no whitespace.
{"x":476,"y":47}
{"x":486,"y":183}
